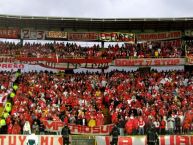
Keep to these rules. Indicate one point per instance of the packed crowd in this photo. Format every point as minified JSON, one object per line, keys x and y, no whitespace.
{"x":62,"y":50}
{"x":189,"y":48}
{"x":147,"y":50}
{"x":130,"y":100}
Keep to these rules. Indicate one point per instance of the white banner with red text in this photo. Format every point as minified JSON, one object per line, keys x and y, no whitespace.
{"x":142,"y":140}
{"x":100,"y":140}
{"x":122,"y":140}
{"x":159,"y":36}
{"x":21,"y":140}
{"x":32,"y":34}
{"x":23,"y":67}
{"x":190,"y":60}
{"x":149,"y":62}
{"x":56,"y":126}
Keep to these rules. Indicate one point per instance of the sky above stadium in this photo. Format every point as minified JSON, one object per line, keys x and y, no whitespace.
{"x":98,"y":8}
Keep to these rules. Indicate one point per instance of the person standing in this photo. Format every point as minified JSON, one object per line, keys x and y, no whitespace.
{"x":27,"y":128}
{"x":157,"y":125}
{"x":141,"y":125}
{"x":115,"y":133}
{"x":170,"y":124}
{"x":66,"y":135}
{"x":163,"y":127}
{"x":35,"y":128}
{"x":152,"y":136}
{"x":32,"y":139}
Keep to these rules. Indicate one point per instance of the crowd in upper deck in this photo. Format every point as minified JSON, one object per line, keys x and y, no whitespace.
{"x":64,"y":50}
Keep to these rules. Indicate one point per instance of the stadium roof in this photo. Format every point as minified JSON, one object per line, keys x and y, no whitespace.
{"x":96,"y":24}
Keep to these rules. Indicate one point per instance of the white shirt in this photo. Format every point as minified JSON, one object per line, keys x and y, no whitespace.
{"x":27,"y":127}
{"x":32,"y":137}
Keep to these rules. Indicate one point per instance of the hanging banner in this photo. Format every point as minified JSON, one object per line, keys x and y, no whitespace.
{"x":56,"y":35}
{"x":21,"y":140}
{"x":56,"y":126}
{"x":32,"y":34}
{"x":122,"y":140}
{"x":189,"y":33}
{"x":66,"y":60}
{"x":11,"y":66}
{"x":24,"y":67}
{"x":82,"y":36}
{"x":7,"y":59}
{"x":190,"y":60}
{"x":100,"y":140}
{"x":9,"y":33}
{"x":142,"y":140}
{"x":117,"y":37}
{"x":159,"y":36}
{"x":149,"y":62}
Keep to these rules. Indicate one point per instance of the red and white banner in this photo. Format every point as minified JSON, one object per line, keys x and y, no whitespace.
{"x":82,"y":36}
{"x":142,"y":140}
{"x":32,"y":34}
{"x":7,"y":59}
{"x":101,"y":140}
{"x":56,"y":35}
{"x":56,"y":126}
{"x":189,"y":33}
{"x":149,"y":62}
{"x":159,"y":36}
{"x":117,"y":37}
{"x":21,"y":140}
{"x":176,"y":140}
{"x":24,"y":67}
{"x":9,"y":33}
{"x":190,"y":60}
{"x":11,"y":66}
{"x":122,"y":140}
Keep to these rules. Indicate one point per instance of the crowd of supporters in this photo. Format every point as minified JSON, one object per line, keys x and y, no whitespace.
{"x":189,"y":48}
{"x":141,"y":50}
{"x":128,"y":99}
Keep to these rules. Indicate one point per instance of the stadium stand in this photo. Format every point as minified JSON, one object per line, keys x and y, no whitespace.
{"x":78,"y":97}
{"x":145,"y":82}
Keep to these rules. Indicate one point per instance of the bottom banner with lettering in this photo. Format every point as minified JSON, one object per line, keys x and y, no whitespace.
{"x":122,"y":140}
{"x":46,"y":140}
{"x":100,"y":140}
{"x":142,"y":140}
{"x":21,"y":140}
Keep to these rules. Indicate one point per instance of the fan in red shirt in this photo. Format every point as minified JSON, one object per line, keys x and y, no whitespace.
{"x":129,"y":126}
{"x":99,"y":118}
{"x":114,"y":117}
{"x":16,"y":129}
{"x":163,"y":126}
{"x":10,"y":127}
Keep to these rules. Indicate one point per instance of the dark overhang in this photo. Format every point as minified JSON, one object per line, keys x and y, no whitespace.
{"x":96,"y":24}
